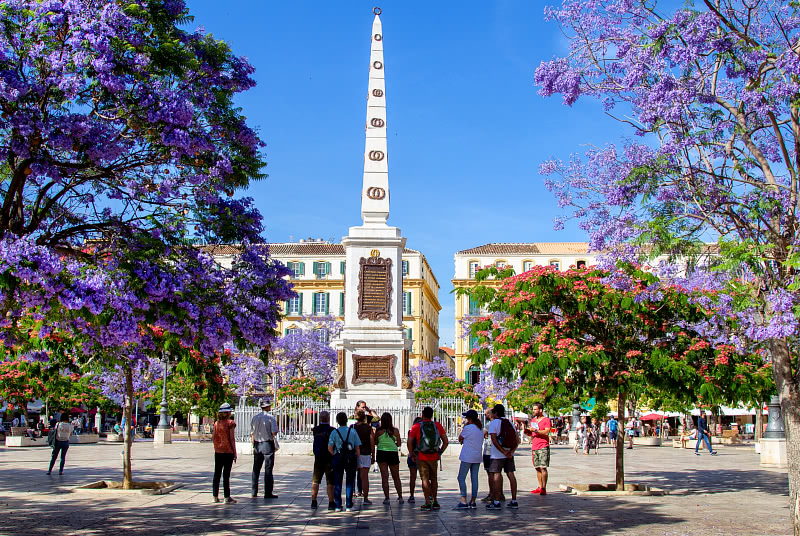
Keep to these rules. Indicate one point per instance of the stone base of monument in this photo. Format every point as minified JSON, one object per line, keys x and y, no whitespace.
{"x":758,"y":447}
{"x":83,"y":439}
{"x":773,"y":452}
{"x":143,"y":488}
{"x":647,"y":441}
{"x":25,"y":441}
{"x":162,"y":436}
{"x":610,"y":490}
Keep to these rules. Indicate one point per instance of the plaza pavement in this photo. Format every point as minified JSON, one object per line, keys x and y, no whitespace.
{"x":724,"y":495}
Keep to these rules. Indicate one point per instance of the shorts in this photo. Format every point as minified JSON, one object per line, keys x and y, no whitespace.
{"x":390,"y":457}
{"x":322,"y":467}
{"x":428,"y":469}
{"x":411,"y":463}
{"x":487,"y":461}
{"x":502,"y":464}
{"x":364,"y":461}
{"x":541,"y":457}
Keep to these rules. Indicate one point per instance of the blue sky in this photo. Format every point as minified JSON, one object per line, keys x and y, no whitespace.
{"x":467,"y":129}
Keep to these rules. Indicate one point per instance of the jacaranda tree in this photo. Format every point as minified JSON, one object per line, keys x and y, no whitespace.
{"x":589,"y":333}
{"x":711,"y":87}
{"x":121,"y":149}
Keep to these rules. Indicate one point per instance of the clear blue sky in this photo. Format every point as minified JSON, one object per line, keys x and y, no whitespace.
{"x":467,"y":129}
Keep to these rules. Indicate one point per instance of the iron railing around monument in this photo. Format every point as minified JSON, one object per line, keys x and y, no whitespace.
{"x":297,"y":417}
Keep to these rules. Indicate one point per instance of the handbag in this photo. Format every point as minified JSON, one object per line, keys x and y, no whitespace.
{"x":51,"y":436}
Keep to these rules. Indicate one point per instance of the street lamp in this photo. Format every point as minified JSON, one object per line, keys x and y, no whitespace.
{"x":164,"y":422}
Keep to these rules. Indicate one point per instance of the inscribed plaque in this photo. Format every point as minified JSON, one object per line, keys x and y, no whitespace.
{"x":374,"y":288}
{"x":374,"y":369}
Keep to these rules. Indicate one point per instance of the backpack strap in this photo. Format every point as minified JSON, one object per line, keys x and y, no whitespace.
{"x":340,"y":437}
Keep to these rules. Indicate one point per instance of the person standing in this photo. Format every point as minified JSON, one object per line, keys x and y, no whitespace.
{"x":471,"y":439}
{"x":224,"y":452}
{"x":366,"y":433}
{"x":322,"y":460}
{"x":61,"y":444}
{"x":540,"y":446}
{"x":487,"y":457}
{"x":580,"y":434}
{"x":504,"y":443}
{"x":613,"y":426}
{"x":345,"y":447}
{"x":264,"y":432}
{"x":387,"y":442}
{"x":632,"y":430}
{"x":412,"y":464}
{"x":703,"y":435}
{"x":427,"y":442}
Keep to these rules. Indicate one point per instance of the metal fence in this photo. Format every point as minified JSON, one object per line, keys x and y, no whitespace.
{"x":297,"y":417}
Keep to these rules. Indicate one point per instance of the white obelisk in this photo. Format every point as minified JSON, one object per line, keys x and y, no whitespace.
{"x":372,"y":349}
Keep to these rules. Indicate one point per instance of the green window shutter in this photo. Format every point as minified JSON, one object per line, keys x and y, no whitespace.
{"x":327,"y":302}
{"x":287,"y":307}
{"x":341,"y":267}
{"x":407,"y":304}
{"x":327,"y":268}
{"x":473,"y":306}
{"x":301,"y":303}
{"x":341,"y":304}
{"x":302,"y":268}
{"x":314,"y":268}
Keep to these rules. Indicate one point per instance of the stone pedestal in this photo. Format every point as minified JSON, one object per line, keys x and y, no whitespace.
{"x":773,"y":452}
{"x":162,"y":436}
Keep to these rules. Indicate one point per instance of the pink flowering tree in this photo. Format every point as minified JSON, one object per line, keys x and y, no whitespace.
{"x":579,"y":334}
{"x":710,"y":91}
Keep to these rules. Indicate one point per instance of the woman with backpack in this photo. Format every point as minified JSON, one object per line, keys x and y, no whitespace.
{"x":345,"y":447}
{"x":387,"y":440}
{"x":471,"y":439}
{"x":224,"y":452}
{"x":60,"y":442}
{"x":366,"y":433}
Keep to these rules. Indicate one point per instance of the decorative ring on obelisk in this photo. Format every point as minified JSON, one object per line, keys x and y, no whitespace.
{"x":376,"y":156}
{"x":377,"y":122}
{"x":377,"y":37}
{"x":374,"y":192}
{"x":377,"y":64}
{"x":376,"y":10}
{"x":377,"y":93}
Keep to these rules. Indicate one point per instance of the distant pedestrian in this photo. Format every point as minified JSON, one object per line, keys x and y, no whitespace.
{"x":322,"y":460}
{"x":366,"y":433}
{"x":345,"y":447}
{"x":224,"y":452}
{"x":613,"y":426}
{"x":427,"y":442}
{"x":632,"y":430}
{"x":540,"y":446}
{"x":63,"y":430}
{"x":487,"y":457}
{"x":580,"y":434}
{"x":15,"y":422}
{"x":412,"y":465}
{"x":504,"y":443}
{"x":264,"y":433}
{"x":387,"y":443}
{"x":471,"y":439}
{"x":703,"y":435}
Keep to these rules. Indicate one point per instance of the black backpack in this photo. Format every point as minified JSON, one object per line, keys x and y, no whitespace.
{"x":322,"y":435}
{"x":347,"y":452}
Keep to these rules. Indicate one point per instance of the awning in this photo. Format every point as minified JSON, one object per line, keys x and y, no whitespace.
{"x":653,"y":417}
{"x":77,"y":410}
{"x":521,"y":415}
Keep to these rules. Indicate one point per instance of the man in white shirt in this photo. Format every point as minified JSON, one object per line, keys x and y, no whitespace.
{"x":263,"y":432}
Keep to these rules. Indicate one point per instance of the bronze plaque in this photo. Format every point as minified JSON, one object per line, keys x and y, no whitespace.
{"x":374,"y":369}
{"x":374,"y":288}
{"x":339,"y":382}
{"x":406,"y":382}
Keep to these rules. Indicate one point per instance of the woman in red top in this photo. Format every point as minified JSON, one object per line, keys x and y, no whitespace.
{"x":224,"y":452}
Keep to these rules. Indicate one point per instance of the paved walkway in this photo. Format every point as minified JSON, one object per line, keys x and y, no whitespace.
{"x":728,"y":494}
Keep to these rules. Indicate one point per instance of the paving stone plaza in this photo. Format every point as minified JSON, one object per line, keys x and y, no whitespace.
{"x":722,"y":495}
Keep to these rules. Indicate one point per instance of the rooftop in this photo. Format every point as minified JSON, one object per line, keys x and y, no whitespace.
{"x":530,"y":248}
{"x":288,"y":248}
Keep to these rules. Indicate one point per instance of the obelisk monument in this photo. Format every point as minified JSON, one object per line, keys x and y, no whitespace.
{"x":372,"y":348}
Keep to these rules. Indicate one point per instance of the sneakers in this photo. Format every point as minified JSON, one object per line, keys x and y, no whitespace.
{"x":340,"y":509}
{"x":216,"y":500}
{"x":462,"y":506}
{"x":387,"y":501}
{"x":230,"y":500}
{"x":367,"y":502}
{"x":348,"y":509}
{"x":473,"y":506}
{"x":696,"y":453}
{"x":314,"y":503}
{"x":253,"y":495}
{"x":271,"y":496}
{"x":494,"y":506}
{"x":400,"y":500}
{"x":427,"y":507}
{"x":331,"y":506}
{"x":411,"y":500}
{"x":536,"y":491}
{"x":48,"y":472}
{"x":435,"y":505}
{"x":488,"y":498}
{"x":513,"y":504}
{"x":543,"y":493}
{"x":713,"y":454}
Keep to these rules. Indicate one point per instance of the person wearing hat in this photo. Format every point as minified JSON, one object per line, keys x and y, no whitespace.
{"x":263,"y":432}
{"x":471,"y":439}
{"x":224,"y":452}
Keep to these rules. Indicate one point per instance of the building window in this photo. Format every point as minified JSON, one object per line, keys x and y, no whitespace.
{"x":581,"y":264}
{"x":405,"y":268}
{"x":473,"y":342}
{"x":527,"y":266}
{"x":473,"y":375}
{"x":473,"y":269}
{"x":297,"y":269}
{"x":474,"y":308}
{"x":322,"y":269}
{"x":341,"y":304}
{"x":407,"y":303}
{"x":321,"y":303}
{"x":410,"y":338}
{"x":291,"y":332}
{"x":342,"y":266}
{"x":500,"y":264}
{"x":296,"y":305}
{"x":322,"y":335}
{"x":556,"y":263}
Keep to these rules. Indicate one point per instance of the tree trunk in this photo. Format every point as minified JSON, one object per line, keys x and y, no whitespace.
{"x":620,"y":452}
{"x":189,"y":427}
{"x":789,"y":393}
{"x":759,"y":422}
{"x":127,"y":479}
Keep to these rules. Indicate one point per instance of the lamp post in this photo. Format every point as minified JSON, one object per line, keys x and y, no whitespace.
{"x":163,"y":432}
